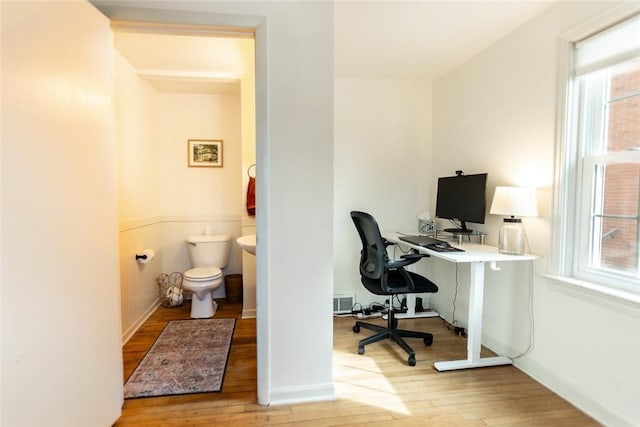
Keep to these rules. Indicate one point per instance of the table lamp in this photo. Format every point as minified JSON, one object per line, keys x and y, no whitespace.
{"x":514,"y":202}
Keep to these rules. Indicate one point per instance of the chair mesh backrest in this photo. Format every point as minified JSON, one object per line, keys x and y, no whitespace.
{"x":374,"y":253}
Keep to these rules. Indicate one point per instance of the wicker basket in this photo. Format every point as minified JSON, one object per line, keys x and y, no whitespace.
{"x":170,"y":289}
{"x":233,"y":288}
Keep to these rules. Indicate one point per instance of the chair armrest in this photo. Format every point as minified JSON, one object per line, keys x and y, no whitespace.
{"x":415,"y":256}
{"x":407,"y":259}
{"x":399,"y":263}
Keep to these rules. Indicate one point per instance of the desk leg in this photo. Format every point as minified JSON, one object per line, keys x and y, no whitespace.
{"x":474,"y":335}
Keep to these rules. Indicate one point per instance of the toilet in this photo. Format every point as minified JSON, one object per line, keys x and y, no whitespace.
{"x":208,"y":255}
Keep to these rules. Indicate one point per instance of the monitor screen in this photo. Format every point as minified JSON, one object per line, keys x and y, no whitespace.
{"x":462,"y":198}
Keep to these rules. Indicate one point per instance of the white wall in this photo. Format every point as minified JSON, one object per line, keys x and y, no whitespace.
{"x":61,"y":357}
{"x":382,"y":164}
{"x":295,"y":197}
{"x":497,"y":114}
{"x":138,"y":153}
{"x":198,"y":191}
{"x":2,"y":320}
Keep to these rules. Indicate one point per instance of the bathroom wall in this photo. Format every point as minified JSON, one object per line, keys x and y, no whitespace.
{"x":135,"y":109}
{"x":192,"y":198}
{"x":249,"y":281}
{"x":249,"y":168}
{"x":140,"y":225}
{"x":161,"y":199}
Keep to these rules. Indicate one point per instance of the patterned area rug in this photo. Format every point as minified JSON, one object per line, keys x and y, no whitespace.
{"x":189,"y":356}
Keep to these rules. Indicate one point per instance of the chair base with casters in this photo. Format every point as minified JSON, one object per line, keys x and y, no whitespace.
{"x":392,"y":332}
{"x":386,"y":277}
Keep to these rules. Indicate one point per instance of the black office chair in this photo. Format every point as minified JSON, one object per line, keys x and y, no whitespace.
{"x":383,"y":276}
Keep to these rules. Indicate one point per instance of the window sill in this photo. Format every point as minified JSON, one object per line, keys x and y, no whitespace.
{"x":603,"y":295}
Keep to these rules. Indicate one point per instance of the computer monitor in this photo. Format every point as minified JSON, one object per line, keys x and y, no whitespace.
{"x":462,"y":198}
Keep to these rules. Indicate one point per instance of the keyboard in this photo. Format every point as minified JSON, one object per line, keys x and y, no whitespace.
{"x":423,"y":241}
{"x":431,"y":243}
{"x":443,"y":247}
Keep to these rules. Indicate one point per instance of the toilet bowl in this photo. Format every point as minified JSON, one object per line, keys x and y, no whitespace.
{"x":208,"y":255}
{"x":202,"y":281}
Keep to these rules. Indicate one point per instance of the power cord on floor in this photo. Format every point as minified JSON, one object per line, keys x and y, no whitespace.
{"x":458,"y":330}
{"x":374,"y":309}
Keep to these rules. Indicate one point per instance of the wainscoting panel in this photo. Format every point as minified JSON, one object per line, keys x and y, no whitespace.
{"x":166,"y":236}
{"x":139,"y":292}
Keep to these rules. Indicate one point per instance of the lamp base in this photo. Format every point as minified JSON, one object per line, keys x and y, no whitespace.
{"x":511,"y":237}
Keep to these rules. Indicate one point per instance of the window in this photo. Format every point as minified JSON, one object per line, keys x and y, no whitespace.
{"x":600,"y":173}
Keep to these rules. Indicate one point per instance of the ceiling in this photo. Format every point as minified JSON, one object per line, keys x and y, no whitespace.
{"x":421,"y":39}
{"x":373,"y":39}
{"x":186,"y":63}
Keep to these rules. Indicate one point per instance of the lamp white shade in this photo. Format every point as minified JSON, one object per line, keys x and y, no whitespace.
{"x":514,"y":201}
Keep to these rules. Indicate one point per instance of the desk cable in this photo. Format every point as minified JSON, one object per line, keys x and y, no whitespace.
{"x":531,"y":317}
{"x":454,"y":322}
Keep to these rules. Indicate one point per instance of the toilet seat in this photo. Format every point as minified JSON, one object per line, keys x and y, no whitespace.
{"x":202,"y":274}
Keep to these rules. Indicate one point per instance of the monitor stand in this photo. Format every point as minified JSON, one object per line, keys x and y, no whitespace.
{"x":456,"y":231}
{"x":460,"y":230}
{"x":460,"y":233}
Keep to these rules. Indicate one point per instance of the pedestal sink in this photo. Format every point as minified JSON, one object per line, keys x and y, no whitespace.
{"x":248,"y":243}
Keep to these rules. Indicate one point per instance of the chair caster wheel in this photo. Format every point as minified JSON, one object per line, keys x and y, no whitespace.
{"x":412,"y":361}
{"x":361,"y":351}
{"x":428,"y":341}
{"x":356,"y":329}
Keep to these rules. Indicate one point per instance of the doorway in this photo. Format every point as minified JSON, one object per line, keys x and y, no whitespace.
{"x":175,"y":83}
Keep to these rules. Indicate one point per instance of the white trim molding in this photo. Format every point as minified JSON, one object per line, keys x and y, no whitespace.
{"x":567,"y":390}
{"x":607,"y":296}
{"x":144,"y":222}
{"x":302,"y":394}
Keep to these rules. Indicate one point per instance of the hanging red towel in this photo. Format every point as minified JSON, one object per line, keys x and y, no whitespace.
{"x":251,"y":197}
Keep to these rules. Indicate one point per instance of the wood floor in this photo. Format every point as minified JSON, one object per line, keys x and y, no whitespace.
{"x":377,"y":387}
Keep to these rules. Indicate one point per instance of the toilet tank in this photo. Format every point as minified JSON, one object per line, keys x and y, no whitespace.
{"x":209,"y":250}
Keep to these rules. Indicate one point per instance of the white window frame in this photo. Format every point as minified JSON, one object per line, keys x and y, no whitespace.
{"x":582,"y":254}
{"x":569,"y":246}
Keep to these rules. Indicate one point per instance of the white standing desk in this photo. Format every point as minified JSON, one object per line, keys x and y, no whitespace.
{"x":476,"y":256}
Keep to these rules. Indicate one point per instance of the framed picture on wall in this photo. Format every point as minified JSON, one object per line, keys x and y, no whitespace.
{"x":205,"y":153}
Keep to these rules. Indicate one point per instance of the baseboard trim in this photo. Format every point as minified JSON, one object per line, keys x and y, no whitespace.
{"x":570,"y":393}
{"x":304,"y":394}
{"x":249,"y":313}
{"x":138,"y":323}
{"x":557,"y":384}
